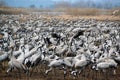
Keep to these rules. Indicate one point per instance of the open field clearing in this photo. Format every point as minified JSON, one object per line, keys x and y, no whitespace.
{"x":99,"y":17}
{"x":9,"y":10}
{"x":67,"y":13}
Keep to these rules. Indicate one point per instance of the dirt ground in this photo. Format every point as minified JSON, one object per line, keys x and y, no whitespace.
{"x":99,"y":17}
{"x":39,"y":74}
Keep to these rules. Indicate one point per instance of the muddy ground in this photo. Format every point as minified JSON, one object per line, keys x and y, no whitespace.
{"x":39,"y":74}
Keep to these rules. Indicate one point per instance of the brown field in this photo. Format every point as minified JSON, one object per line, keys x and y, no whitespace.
{"x":99,"y":17}
{"x":10,"y":10}
{"x":90,"y":13}
{"x":39,"y":74}
{"x":69,"y":13}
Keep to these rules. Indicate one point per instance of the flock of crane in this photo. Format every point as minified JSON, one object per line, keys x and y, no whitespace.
{"x":70,"y":45}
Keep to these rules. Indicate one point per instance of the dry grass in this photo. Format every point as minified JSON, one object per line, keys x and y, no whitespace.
{"x":90,"y":11}
{"x":78,"y":11}
{"x":70,"y":13}
{"x":9,"y":10}
{"x":99,"y":17}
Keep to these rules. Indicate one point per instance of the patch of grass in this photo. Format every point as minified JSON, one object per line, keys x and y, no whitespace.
{"x":9,"y":10}
{"x":90,"y":11}
{"x":97,"y":17}
{"x":79,"y":11}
